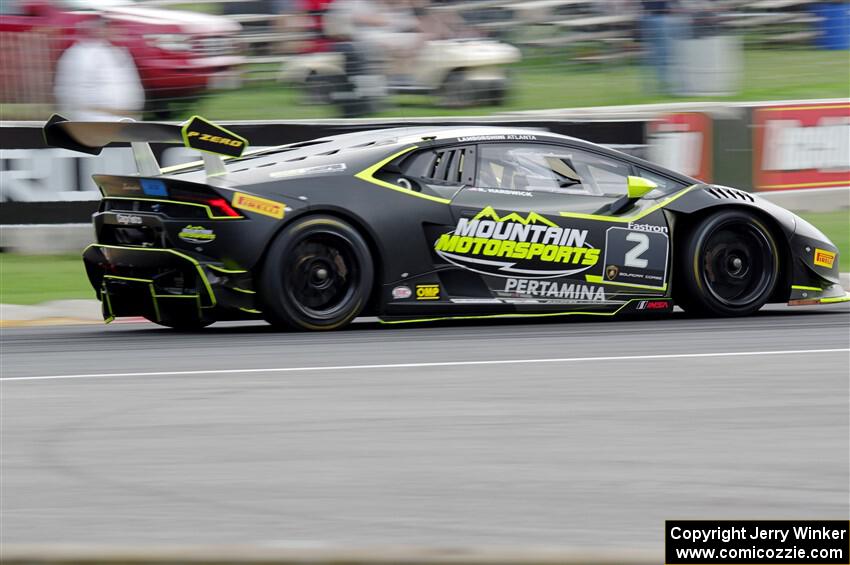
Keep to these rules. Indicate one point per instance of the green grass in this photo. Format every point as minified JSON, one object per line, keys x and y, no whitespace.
{"x":203,"y":7}
{"x":30,"y":279}
{"x":836,"y":226}
{"x":549,"y":82}
{"x":538,"y":82}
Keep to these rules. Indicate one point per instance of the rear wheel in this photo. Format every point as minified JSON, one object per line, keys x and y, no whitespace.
{"x":318,"y":275}
{"x":729,"y":265}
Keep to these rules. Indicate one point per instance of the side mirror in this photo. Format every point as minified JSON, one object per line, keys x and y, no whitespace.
{"x":638,"y":187}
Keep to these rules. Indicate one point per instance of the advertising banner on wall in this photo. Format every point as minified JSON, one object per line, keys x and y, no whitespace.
{"x":682,"y":142}
{"x":801,"y":146}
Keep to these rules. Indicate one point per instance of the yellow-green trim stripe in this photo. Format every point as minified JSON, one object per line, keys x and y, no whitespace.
{"x":512,"y":315}
{"x":151,"y":289}
{"x":627,"y":219}
{"x":192,"y":260}
{"x":227,"y":271}
{"x":210,"y":214}
{"x":132,"y":279}
{"x":368,"y":175}
{"x":596,"y":279}
{"x":801,"y":287}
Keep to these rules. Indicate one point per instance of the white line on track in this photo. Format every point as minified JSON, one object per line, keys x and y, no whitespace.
{"x":426,"y":364}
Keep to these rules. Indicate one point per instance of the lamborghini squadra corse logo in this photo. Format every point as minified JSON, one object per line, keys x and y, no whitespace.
{"x":529,"y":246}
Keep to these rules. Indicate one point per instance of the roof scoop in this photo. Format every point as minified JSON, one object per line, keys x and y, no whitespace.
{"x":213,"y":141}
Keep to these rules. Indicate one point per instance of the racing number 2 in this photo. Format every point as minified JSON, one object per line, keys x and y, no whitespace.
{"x":636,"y":256}
{"x":633,"y":257}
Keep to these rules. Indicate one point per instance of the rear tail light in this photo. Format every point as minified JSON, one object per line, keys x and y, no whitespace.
{"x":164,"y":191}
{"x":218,"y":205}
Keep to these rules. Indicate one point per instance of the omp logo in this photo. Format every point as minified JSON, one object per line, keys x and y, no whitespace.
{"x":824,"y":258}
{"x":516,"y":245}
{"x":427,"y":292}
{"x":258,"y":205}
{"x":215,"y":139}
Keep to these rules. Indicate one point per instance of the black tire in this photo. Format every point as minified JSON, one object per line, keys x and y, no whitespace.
{"x":317,"y":276}
{"x":728,"y":265}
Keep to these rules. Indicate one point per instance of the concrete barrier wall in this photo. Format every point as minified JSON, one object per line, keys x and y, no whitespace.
{"x":45,"y":239}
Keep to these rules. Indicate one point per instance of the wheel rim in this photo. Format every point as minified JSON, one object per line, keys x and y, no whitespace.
{"x":321,"y":276}
{"x":738,"y":263}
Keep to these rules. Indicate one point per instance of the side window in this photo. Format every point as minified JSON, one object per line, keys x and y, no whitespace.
{"x":447,"y":166}
{"x":551,"y":168}
{"x":666,"y":185}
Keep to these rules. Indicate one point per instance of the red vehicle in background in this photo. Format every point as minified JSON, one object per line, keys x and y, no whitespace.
{"x":178,"y":54}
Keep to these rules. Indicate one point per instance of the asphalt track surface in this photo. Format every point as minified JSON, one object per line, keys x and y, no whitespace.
{"x":555,"y":433}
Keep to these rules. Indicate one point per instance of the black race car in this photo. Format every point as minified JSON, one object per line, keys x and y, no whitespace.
{"x":414,"y":224}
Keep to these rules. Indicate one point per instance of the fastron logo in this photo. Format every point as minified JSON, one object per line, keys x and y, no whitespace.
{"x":529,"y":246}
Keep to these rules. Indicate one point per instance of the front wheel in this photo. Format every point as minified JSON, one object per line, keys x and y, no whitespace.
{"x":317,"y":276}
{"x":729,"y":265}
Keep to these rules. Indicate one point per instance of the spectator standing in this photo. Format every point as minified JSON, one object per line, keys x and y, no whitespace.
{"x":383,"y":30}
{"x":97,"y":80}
{"x":659,"y":27}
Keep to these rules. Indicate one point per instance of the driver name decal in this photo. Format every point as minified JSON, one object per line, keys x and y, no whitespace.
{"x":530,"y":246}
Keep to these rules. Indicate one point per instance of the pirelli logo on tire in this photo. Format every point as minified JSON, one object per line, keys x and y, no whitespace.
{"x":258,"y":205}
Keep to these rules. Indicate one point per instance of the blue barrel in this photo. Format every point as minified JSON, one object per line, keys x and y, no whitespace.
{"x":834,"y":25}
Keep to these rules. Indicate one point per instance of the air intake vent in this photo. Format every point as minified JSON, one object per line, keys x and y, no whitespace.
{"x":723,"y":193}
{"x":448,"y":166}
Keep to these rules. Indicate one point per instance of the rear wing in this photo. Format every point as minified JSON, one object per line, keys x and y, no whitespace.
{"x":211,"y":140}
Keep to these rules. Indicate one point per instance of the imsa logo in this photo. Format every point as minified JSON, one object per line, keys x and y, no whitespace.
{"x":427,"y":292}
